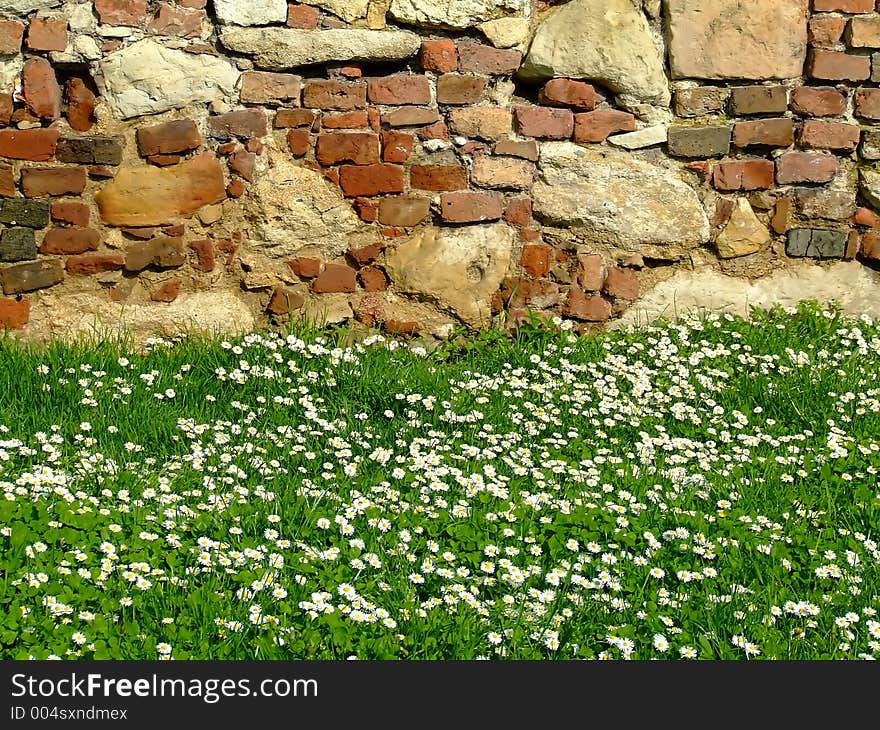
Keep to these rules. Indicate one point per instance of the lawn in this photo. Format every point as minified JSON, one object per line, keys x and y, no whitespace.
{"x":702,"y":490}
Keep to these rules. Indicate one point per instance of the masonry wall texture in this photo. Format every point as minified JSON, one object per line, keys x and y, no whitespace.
{"x":419,"y":164}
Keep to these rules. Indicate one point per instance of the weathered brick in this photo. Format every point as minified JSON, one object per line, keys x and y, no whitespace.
{"x":80,"y":105}
{"x":838,"y":66}
{"x":460,"y":89}
{"x":121,"y":12}
{"x":373,"y":279}
{"x":481,"y":59}
{"x":523,"y":292}
{"x":816,"y":243}
{"x":21,"y":212}
{"x":598,"y":125}
{"x":340,"y":95}
{"x":397,"y":146}
{"x":805,"y":167}
{"x":240,"y":123}
{"x":525,"y":150}
{"x":168,"y":138}
{"x":544,"y":122}
{"x":76,"y":214}
{"x":501,"y":173}
{"x":867,"y":103}
{"x":167,"y":291}
{"x":468,"y":207}
{"x":818,"y":101}
{"x":369,"y":180}
{"x":284,"y":300}
{"x":7,"y":182}
{"x":205,"y":256}
{"x":406,"y":211}
{"x":826,"y":30}
{"x":399,"y":89}
{"x":345,"y":120}
{"x":304,"y":17}
{"x":181,"y":22}
{"x":621,"y":283}
{"x":590,"y":272}
{"x":264,"y":87}
{"x":586,"y":307}
{"x":42,"y":94}
{"x":698,"y":141}
{"x":30,"y":276}
{"x":829,"y":136}
{"x":298,"y":142}
{"x":14,"y":314}
{"x":536,"y":258}
{"x":70,"y":241}
{"x":359,"y":148}
{"x":578,"y":95}
{"x":764,"y":132}
{"x":88,"y":150}
{"x":366,"y":254}
{"x":243,"y":163}
{"x":758,"y":100}
{"x":482,"y":122}
{"x":440,"y":56}
{"x":163,"y":252}
{"x":743,"y":175}
{"x":305,"y":267}
{"x":438,"y":177}
{"x":287,"y":118}
{"x":89,"y":265}
{"x":47,"y":34}
{"x":11,"y":32}
{"x":844,"y":6}
{"x":826,"y":203}
{"x":870,"y":247}
{"x":864,"y":32}
{"x":17,"y":244}
{"x":411,"y":116}
{"x":335,"y":278}
{"x":700,"y":101}
{"x":866,"y":217}
{"x":781,"y":218}
{"x":37,"y":182}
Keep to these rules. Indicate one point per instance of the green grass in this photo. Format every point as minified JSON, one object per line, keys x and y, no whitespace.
{"x":706,"y":488}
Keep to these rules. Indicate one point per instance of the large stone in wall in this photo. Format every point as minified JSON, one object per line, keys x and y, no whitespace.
{"x":459,"y":269}
{"x":281,"y":48}
{"x":737,"y":39}
{"x":455,"y":13}
{"x":25,"y":7}
{"x":291,"y":209}
{"x":251,"y":12}
{"x":607,"y":41}
{"x":612,"y":198}
{"x":148,"y":78}
{"x":153,"y":196}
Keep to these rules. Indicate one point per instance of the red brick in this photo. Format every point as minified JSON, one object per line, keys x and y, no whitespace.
{"x":829,"y":136}
{"x":586,"y":307}
{"x":438,"y":177}
{"x":341,"y":95}
{"x":39,"y":181}
{"x":240,"y":123}
{"x":167,"y":292}
{"x":565,"y":92}
{"x":264,"y":87}
{"x":544,"y":122}
{"x":235,"y":189}
{"x":621,"y":283}
{"x":818,"y":102}
{"x":345,"y":120}
{"x":76,"y":214}
{"x":743,"y":175}
{"x":403,"y":211}
{"x":370,"y":180}
{"x":764,"y":132}
{"x":870,"y":248}
{"x":366,"y":254}
{"x":11,"y":32}
{"x":70,"y":241}
{"x":838,"y":66}
{"x":867,"y":103}
{"x":287,"y":118}
{"x":397,"y":146}
{"x":399,"y":89}
{"x":467,"y":207}
{"x":243,"y":163}
{"x":175,"y":21}
{"x":460,"y":89}
{"x":45,"y":34}
{"x":590,"y":272}
{"x":844,"y":6}
{"x":439,"y":56}
{"x":535,"y":259}
{"x":335,"y":278}
{"x":305,"y":268}
{"x":597,"y":126}
{"x":781,"y":218}
{"x":205,"y":257}
{"x":434,"y":131}
{"x":86,"y":265}
{"x":373,"y":279}
{"x":805,"y":167}
{"x":524,"y":150}
{"x":42,"y":93}
{"x":519,"y":212}
{"x":359,"y":148}
{"x":121,"y":12}
{"x":411,"y":117}
{"x":482,"y":59}
{"x":168,"y":138}
{"x":866,"y":217}
{"x":826,"y":30}
{"x":284,"y":301}
{"x":304,"y":17}
{"x":80,"y":105}
{"x":14,"y":315}
{"x":299,"y":141}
